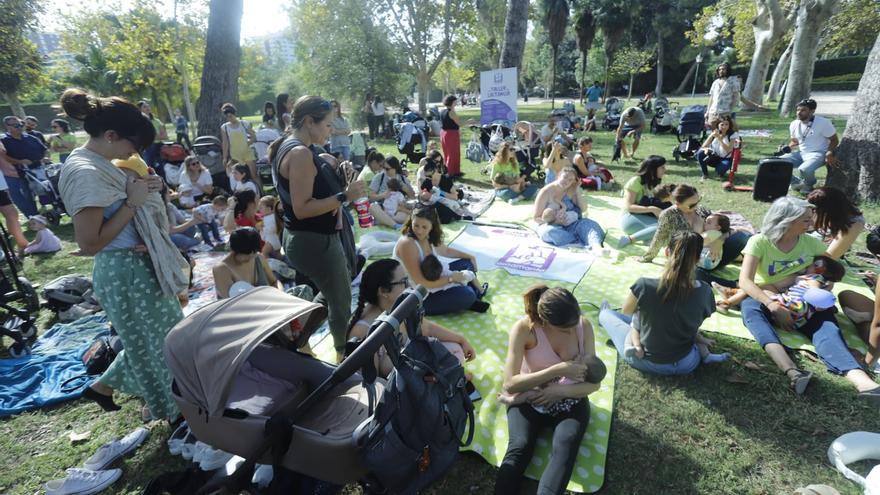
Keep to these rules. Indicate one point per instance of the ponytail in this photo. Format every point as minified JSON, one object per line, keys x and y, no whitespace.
{"x":678,"y":277}
{"x":356,"y":315}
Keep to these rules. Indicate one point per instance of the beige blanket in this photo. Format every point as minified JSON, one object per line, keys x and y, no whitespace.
{"x":90,"y":180}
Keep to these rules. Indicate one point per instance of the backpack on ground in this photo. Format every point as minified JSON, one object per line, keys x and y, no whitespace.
{"x":63,"y":292}
{"x":414,"y":435}
{"x":474,"y":151}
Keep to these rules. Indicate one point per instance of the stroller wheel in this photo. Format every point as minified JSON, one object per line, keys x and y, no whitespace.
{"x":676,"y":154}
{"x":53,"y":217}
{"x":28,"y":330}
{"x":31,"y":299}
{"x":18,"y":350}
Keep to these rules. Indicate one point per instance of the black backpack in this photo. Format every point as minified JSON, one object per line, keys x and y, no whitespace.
{"x":414,"y":435}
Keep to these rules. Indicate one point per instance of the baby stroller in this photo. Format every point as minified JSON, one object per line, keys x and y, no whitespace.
{"x":313,"y":430}
{"x":265,"y":138}
{"x":172,"y":156}
{"x":14,"y":288}
{"x":527,"y":145}
{"x":613,"y":110}
{"x":45,"y":187}
{"x":210,"y":153}
{"x":412,"y":140}
{"x":664,"y":117}
{"x":690,"y":132}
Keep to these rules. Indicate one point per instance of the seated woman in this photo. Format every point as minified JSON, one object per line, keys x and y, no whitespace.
{"x":438,"y":190}
{"x":181,"y":229}
{"x":244,"y":263}
{"x":556,"y":160}
{"x":242,"y":180}
{"x":546,"y":350}
{"x":836,"y":217}
{"x":378,"y":191}
{"x":558,"y":210}
{"x":195,"y":182}
{"x":381,"y":284}
{"x":640,"y":222}
{"x":423,"y":235}
{"x":717,"y":150}
{"x":510,"y":185}
{"x":591,"y":174}
{"x":865,"y":313}
{"x":658,"y":328}
{"x":781,"y":249}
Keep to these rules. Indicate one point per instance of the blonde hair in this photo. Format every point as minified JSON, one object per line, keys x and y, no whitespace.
{"x":504,"y":154}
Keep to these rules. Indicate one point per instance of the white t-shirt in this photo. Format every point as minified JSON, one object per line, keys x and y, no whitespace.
{"x":814,"y":136}
{"x":186,"y":185}
{"x":392,"y":202}
{"x":242,"y":186}
{"x":726,"y":140}
{"x":378,"y":109}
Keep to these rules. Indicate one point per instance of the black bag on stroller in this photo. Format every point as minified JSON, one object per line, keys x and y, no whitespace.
{"x":414,"y":435}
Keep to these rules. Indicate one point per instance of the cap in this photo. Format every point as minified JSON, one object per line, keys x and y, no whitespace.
{"x":39,"y":218}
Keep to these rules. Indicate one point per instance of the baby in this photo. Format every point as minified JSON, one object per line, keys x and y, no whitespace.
{"x":209,"y":214}
{"x":598,"y":177}
{"x":46,"y":241}
{"x":269,"y":206}
{"x":660,"y":196}
{"x":433,"y":269}
{"x":792,"y":292}
{"x":717,"y":230}
{"x":395,"y":203}
{"x":595,"y":373}
{"x":133,"y":166}
{"x":556,"y":214}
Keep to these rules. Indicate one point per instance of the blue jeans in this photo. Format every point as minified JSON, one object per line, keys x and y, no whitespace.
{"x":454,"y":299}
{"x":639,"y":226}
{"x":21,"y":195}
{"x":721,"y":168}
{"x":618,"y":325}
{"x":210,"y":227}
{"x":733,"y":247}
{"x":807,"y":164}
{"x":184,"y":242}
{"x":821,"y":328}
{"x":345,"y":151}
{"x":526,"y":194}
{"x":585,"y":232}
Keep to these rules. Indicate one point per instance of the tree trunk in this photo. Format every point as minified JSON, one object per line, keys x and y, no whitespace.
{"x":630,"y":94}
{"x":770,"y":23}
{"x":859,"y":151}
{"x":14,"y":103}
{"x":607,"y":66}
{"x":423,"y":81}
{"x":658,"y":88}
{"x":811,"y":18}
{"x":779,"y":72}
{"x":515,"y":28}
{"x":553,"y":80}
{"x":222,"y":62}
{"x":583,"y":77}
{"x":687,"y":77}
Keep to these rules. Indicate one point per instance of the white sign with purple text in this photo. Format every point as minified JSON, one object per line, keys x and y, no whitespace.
{"x":521,"y":252}
{"x":498,"y":95}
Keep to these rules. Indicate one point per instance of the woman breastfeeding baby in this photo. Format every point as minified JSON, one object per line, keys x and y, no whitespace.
{"x":559,"y":208}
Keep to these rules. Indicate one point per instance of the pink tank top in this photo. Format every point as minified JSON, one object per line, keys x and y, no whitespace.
{"x":542,"y":356}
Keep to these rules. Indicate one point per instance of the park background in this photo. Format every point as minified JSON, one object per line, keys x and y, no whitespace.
{"x":733,"y":428}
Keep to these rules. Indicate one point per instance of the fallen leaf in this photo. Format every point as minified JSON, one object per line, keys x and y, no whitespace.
{"x":752,"y":366}
{"x":79,"y":437}
{"x":818,"y":431}
{"x":735,"y":378}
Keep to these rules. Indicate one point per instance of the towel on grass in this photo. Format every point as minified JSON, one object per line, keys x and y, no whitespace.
{"x":35,"y":381}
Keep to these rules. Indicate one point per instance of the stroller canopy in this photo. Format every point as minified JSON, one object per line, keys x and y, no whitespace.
{"x":206,"y":350}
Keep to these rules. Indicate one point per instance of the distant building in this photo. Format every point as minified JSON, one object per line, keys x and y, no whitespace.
{"x":279,"y":47}
{"x":49,"y":46}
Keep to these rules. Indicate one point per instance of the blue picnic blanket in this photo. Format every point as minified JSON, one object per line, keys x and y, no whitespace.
{"x":36,"y":380}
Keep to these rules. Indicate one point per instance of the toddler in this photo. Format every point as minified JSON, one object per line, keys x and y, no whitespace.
{"x":395,"y":203}
{"x":46,"y":241}
{"x":269,"y":206}
{"x":716,"y":231}
{"x":209,"y":214}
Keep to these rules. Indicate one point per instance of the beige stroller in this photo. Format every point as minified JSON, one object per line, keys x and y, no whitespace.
{"x":233,"y":370}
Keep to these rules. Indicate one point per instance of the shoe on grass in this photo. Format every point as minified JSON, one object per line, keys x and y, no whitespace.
{"x":82,"y":482}
{"x":112,"y":451}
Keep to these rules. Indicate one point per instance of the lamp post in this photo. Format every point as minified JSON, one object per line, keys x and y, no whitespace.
{"x":696,"y":73}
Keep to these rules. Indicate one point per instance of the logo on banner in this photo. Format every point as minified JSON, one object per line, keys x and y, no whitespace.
{"x":499,"y":77}
{"x":528,"y":258}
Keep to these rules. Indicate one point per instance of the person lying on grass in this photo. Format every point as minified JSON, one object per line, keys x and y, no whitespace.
{"x":381,"y":284}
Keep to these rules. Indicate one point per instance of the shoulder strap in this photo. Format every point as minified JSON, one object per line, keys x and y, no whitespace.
{"x":288,"y":144}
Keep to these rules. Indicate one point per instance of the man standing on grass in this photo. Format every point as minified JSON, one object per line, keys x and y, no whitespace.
{"x":632,"y":121}
{"x":816,"y":139}
{"x":22,"y":150}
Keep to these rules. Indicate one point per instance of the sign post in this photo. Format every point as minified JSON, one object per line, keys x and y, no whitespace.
{"x":498,"y":95}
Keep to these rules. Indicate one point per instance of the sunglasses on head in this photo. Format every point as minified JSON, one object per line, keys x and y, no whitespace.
{"x":326,"y":105}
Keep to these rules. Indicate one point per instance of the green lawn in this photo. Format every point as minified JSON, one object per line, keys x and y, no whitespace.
{"x":733,"y":428}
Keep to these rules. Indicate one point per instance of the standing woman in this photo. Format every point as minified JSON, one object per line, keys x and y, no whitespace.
{"x":340,"y":136}
{"x":312,"y":198}
{"x":62,"y":142}
{"x":838,"y":217}
{"x":640,"y":222}
{"x":282,"y":111}
{"x":236,"y":137}
{"x":122,"y":222}
{"x":450,"y":140}
{"x":7,"y":209}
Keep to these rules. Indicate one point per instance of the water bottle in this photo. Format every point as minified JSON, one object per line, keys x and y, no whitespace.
{"x":362,"y":206}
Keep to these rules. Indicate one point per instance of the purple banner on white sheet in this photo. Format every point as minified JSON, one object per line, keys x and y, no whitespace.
{"x":498,"y":90}
{"x":528,"y":258}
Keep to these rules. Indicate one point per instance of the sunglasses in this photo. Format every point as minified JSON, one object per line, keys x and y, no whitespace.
{"x":196,"y":162}
{"x":694,"y":204}
{"x":404,"y":282}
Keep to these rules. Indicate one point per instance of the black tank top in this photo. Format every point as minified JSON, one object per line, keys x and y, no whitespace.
{"x":326,"y":184}
{"x":446,"y":122}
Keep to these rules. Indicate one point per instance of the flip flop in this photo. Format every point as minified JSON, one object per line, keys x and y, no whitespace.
{"x":799,"y":382}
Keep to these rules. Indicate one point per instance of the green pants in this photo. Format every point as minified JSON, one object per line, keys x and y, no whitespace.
{"x":321,"y":258}
{"x":126,"y":286}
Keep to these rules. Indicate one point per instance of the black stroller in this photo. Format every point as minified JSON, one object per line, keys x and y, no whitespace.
{"x":613,"y":111}
{"x":17,"y":298}
{"x":43,"y":183}
{"x":411,"y":134}
{"x":663,"y":120}
{"x":210,"y":153}
{"x":690,"y":132}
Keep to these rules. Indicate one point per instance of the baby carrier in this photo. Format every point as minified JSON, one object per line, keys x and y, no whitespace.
{"x":690,"y":132}
{"x":613,"y":110}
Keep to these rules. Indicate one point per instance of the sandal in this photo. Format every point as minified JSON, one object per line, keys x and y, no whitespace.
{"x":799,"y":382}
{"x":484,"y":289}
{"x":727,"y":292}
{"x":873,"y":396}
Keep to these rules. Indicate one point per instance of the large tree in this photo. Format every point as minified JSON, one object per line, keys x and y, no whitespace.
{"x":811,"y":19}
{"x":774,"y":18}
{"x":20,"y":63}
{"x":556,"y":13}
{"x":585,"y":28}
{"x":858,"y":154}
{"x":425,"y":31}
{"x":613,"y":17}
{"x":516,"y":25}
{"x":221,"y":66}
{"x":631,"y":61}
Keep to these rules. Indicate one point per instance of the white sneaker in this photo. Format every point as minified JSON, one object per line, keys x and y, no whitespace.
{"x":515,"y":200}
{"x":178,"y":438}
{"x":110,"y":452}
{"x":209,"y":458}
{"x":82,"y":482}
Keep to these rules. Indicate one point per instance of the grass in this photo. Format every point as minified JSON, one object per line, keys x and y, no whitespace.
{"x":734,"y":428}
